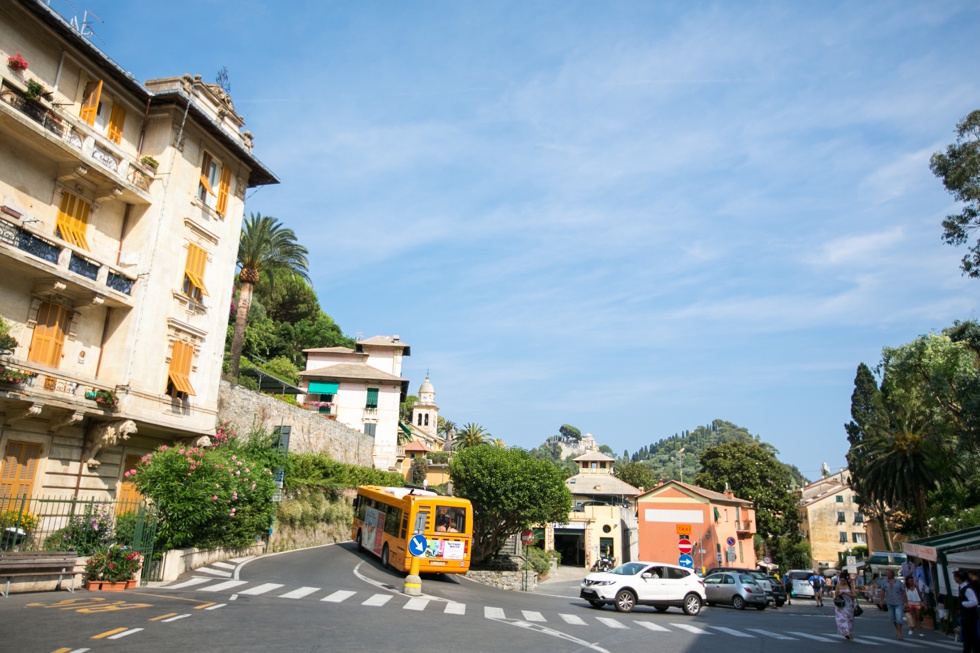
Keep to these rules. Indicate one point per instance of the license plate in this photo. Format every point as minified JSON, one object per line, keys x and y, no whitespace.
{"x":437,"y":562}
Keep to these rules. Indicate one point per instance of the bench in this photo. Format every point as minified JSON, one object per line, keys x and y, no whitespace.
{"x":16,"y":564}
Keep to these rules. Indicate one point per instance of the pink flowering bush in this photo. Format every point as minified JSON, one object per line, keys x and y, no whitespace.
{"x":206,"y":497}
{"x":113,"y":564}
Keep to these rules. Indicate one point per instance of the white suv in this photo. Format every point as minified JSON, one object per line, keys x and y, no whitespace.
{"x":645,"y":583}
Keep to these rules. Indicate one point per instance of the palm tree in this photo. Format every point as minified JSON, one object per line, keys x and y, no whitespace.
{"x":266,"y":247}
{"x":471,"y":436}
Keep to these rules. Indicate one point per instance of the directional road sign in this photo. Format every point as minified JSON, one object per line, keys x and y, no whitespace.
{"x":417,"y":545}
{"x":686,"y":561}
{"x":684,"y":546}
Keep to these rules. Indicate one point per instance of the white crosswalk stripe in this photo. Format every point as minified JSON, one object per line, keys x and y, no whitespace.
{"x":191,"y":582}
{"x":261,"y":589}
{"x":416,"y":604}
{"x":691,"y":629}
{"x":531,"y":615}
{"x":455,"y":608}
{"x":213,"y":572}
{"x":227,"y":585}
{"x":769,"y":633}
{"x":572,"y":619}
{"x":651,"y":626}
{"x":612,"y":623}
{"x":955,"y":647}
{"x":223,"y":565}
{"x":377,"y":600}
{"x":299,"y":593}
{"x":339,"y":596}
{"x":817,"y":638}
{"x":493,"y":613}
{"x":861,"y":640}
{"x":887,"y":640}
{"x":732,"y":631}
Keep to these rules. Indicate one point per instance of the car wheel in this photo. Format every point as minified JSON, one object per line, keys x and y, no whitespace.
{"x":596,"y":604}
{"x":762,"y":607}
{"x":384,"y":556}
{"x":625,"y":601}
{"x":692,"y":605}
{"x":661,"y":608}
{"x":360,"y":543}
{"x":738,"y":602}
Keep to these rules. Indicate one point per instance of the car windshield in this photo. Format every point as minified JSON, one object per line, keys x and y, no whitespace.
{"x":629,"y":569}
{"x":746,"y":579}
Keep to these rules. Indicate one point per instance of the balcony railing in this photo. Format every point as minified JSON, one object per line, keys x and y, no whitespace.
{"x":743,"y":526}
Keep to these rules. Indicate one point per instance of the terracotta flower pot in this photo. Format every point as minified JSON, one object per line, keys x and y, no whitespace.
{"x":132,"y":583}
{"x":106,"y":586}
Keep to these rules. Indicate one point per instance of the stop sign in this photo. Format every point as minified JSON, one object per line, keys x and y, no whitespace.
{"x":527,"y":537}
{"x":684,"y":546}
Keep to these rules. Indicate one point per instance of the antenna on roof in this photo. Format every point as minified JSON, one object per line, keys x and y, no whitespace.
{"x":85,"y":29}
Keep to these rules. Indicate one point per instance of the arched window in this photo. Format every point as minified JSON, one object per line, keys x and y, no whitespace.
{"x":426,"y":420}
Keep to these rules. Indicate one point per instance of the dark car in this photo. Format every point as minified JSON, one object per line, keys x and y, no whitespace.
{"x":778,"y":591}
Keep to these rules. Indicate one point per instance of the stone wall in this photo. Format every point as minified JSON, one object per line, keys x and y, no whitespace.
{"x":505,"y":580}
{"x":310,"y":432}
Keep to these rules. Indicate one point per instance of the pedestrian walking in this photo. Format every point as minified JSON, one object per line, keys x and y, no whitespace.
{"x":816,"y":582}
{"x":788,"y":584}
{"x":968,"y":611}
{"x":844,"y":602}
{"x":914,"y":602}
{"x":892,"y":598}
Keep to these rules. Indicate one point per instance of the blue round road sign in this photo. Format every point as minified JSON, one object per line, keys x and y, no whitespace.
{"x":686,"y":561}
{"x":417,"y":545}
{"x":731,"y":541}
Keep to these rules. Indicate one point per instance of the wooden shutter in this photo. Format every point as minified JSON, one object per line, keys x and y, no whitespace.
{"x":90,"y":101}
{"x":194,"y":269}
{"x":206,"y":173}
{"x":20,"y":461}
{"x":223,"y":186}
{"x":49,"y":335}
{"x":128,"y":496}
{"x":73,"y":219}
{"x":180,"y":368}
{"x":116,"y":121}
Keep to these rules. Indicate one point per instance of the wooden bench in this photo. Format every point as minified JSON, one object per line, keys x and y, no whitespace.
{"x":16,"y":564}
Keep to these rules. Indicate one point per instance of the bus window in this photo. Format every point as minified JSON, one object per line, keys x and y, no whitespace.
{"x":450,"y":520}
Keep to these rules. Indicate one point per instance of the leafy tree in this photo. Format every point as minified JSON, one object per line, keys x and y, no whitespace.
{"x":266,"y":247}
{"x":752,"y":471}
{"x":471,"y":436}
{"x":636,"y":474}
{"x":445,"y":427}
{"x":420,"y":467}
{"x":959,"y":168}
{"x":569,"y":432}
{"x":405,"y":408}
{"x":510,"y":491}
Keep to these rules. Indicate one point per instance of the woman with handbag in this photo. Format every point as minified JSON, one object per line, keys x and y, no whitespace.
{"x":913,"y":602}
{"x":844,"y":604}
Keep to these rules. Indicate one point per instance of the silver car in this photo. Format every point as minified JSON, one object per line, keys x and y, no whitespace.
{"x":736,"y":588}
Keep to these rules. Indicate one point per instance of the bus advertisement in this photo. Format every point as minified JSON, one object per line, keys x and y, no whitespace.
{"x":386,"y":518}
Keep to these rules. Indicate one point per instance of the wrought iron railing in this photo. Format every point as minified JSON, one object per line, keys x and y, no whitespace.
{"x":119,"y":283}
{"x":83,"y":266}
{"x":39,"y":247}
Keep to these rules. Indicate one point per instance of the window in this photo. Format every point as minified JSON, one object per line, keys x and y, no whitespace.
{"x":73,"y":219}
{"x":858,"y":538}
{"x":178,"y":376}
{"x":128,"y":496}
{"x":840,"y":499}
{"x":372,"y":398}
{"x":214,"y":176}
{"x":858,"y":518}
{"x":194,"y":272}
{"x":370,"y":428}
{"x":740,"y":551}
{"x":843,"y":538}
{"x":49,"y":334}
{"x":426,"y":420}
{"x":91,"y":99}
{"x":116,"y":121}
{"x":19,"y":466}
{"x":840,"y":517}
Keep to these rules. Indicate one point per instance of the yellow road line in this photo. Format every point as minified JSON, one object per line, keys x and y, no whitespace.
{"x":163,"y":616}
{"x":109,"y":632}
{"x":165,"y":596}
{"x":206,"y":605}
{"x":62,"y":650}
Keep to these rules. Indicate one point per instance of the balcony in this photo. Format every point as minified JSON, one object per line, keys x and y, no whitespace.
{"x":34,"y":257}
{"x":325,"y":408}
{"x":36,"y":388}
{"x":75,"y":146}
{"x":743,"y":527}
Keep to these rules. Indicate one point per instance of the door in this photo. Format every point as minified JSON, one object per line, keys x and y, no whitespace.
{"x":652,"y":585}
{"x":713,"y":587}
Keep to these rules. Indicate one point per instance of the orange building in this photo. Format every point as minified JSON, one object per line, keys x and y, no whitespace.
{"x":719,"y":526}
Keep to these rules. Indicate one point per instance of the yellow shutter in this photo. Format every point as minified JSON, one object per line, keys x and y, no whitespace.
{"x":49,"y":335}
{"x":20,"y":462}
{"x":194,"y":269}
{"x":206,"y":173}
{"x":128,"y":497}
{"x":180,"y":367}
{"x":223,"y":187}
{"x":116,"y":121}
{"x":90,"y":101}
{"x":73,"y":219}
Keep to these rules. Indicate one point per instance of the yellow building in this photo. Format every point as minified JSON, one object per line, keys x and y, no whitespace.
{"x":832,"y":520}
{"x":121,"y":208}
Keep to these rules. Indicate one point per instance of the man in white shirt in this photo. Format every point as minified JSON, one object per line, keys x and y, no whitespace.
{"x":968,"y":612}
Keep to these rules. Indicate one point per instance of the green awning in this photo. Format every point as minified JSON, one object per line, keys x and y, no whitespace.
{"x":405,"y":429}
{"x":717,"y":515}
{"x":320,"y":388}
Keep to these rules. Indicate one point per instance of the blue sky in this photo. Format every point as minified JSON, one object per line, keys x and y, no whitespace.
{"x":632,"y":217}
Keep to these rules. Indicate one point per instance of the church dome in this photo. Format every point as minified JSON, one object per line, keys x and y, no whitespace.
{"x":426,"y":387}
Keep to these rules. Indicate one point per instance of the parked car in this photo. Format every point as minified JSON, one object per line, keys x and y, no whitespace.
{"x":736,"y":588}
{"x":802,"y":589}
{"x":761,"y":579}
{"x":645,"y":583}
{"x":778,"y":591}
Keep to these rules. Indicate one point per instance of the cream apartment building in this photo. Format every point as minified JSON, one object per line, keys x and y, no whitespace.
{"x":115,"y":273}
{"x":831,"y":519}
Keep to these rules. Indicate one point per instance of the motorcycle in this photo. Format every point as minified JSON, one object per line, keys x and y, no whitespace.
{"x":604,"y":563}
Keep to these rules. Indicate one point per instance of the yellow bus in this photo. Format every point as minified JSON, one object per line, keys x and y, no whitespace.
{"x":386,"y":518}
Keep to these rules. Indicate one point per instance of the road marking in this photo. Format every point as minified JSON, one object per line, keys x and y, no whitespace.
{"x":216,"y":606}
{"x":204,"y":606}
{"x":163,"y":616}
{"x":227,"y":585}
{"x":732,"y":631}
{"x":261,"y":589}
{"x":768,"y":633}
{"x":612,"y":623}
{"x":338,"y":596}
{"x":531,"y":615}
{"x":176,"y":618}
{"x":76,"y":650}
{"x":416,"y":604}
{"x":196,"y":580}
{"x":107,"y":633}
{"x":809,"y":636}
{"x":654,"y":627}
{"x":223,"y":565}
{"x":691,"y":629}
{"x":859,"y":640}
{"x":299,"y":593}
{"x":572,"y":619}
{"x":493,"y":613}
{"x":888,"y":640}
{"x":213,"y":572}
{"x":455,"y":608}
{"x":125,"y":634}
{"x":377,"y":600}
{"x":954,"y":647}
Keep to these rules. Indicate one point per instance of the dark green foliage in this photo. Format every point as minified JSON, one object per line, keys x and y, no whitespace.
{"x":959,"y":168}
{"x":638,"y":475}
{"x":569,"y":432}
{"x":538,"y":559}
{"x":419,"y":470}
{"x":510,"y":490}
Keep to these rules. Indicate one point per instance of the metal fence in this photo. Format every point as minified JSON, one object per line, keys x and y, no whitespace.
{"x":80,"y":525}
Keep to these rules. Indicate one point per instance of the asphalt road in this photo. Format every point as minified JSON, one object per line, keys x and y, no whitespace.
{"x":334,"y":598}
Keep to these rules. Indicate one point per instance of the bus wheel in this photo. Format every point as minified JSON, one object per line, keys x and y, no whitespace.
{"x":360,"y":544}
{"x":384,"y":556}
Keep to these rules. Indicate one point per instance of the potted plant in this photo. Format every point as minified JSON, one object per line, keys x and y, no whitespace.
{"x":150,"y":163}
{"x":14,"y":377}
{"x":107,"y":399}
{"x":113,"y":568}
{"x":36,"y":91}
{"x":17,"y":63}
